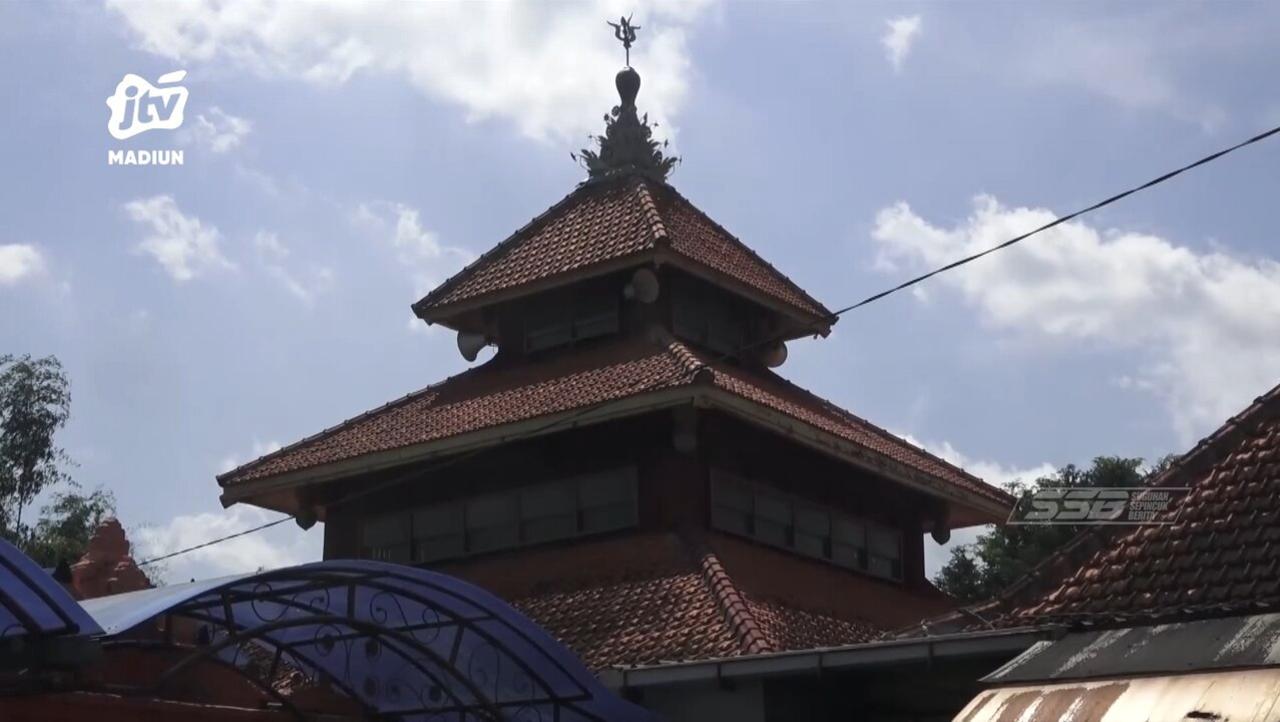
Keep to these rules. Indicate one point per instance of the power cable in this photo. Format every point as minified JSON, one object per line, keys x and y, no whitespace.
{"x":834,"y":315}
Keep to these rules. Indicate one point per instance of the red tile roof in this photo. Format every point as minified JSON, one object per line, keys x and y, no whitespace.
{"x":659,"y":597}
{"x":1223,"y":551}
{"x":632,"y":217}
{"x":1220,"y":556}
{"x":492,"y":395}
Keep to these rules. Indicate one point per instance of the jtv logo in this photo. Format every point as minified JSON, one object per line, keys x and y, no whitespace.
{"x":137,"y":106}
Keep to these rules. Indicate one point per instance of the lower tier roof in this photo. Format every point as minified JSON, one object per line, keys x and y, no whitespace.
{"x":495,"y":403}
{"x":665,"y":597}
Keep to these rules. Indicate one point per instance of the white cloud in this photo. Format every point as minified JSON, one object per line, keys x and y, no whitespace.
{"x":260,"y":449}
{"x":543,"y":67}
{"x":19,"y":261}
{"x":218,"y":130}
{"x":272,"y":253}
{"x":1135,"y":61}
{"x":899,"y":38}
{"x":183,"y":245}
{"x":992,"y":472}
{"x":280,"y":546}
{"x":269,"y":246}
{"x":418,"y":250}
{"x":1204,"y":328}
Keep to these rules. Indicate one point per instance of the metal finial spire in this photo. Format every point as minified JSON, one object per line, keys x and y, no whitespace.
{"x":625,"y":32}
{"x":627,"y":145}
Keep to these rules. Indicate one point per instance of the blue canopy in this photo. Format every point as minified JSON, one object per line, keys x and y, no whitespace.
{"x":33,"y":604}
{"x":401,"y":641}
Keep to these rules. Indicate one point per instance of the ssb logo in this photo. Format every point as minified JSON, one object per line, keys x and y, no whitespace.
{"x":1098,"y":505}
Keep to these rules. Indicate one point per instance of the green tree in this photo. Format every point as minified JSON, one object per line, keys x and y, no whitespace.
{"x":978,"y":571}
{"x":66,"y":524}
{"x":35,"y":402}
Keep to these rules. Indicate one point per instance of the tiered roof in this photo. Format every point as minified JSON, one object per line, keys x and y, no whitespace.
{"x":607,"y":225}
{"x":496,"y":397}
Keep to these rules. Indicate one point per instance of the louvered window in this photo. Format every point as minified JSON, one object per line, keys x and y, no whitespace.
{"x":751,"y":510}
{"x":581,"y":505}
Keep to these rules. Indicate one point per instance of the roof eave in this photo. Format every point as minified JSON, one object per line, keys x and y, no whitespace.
{"x":988,"y":510}
{"x":248,"y":491}
{"x":811,"y":323}
{"x":805,"y":323}
{"x":704,"y":395}
{"x":448,"y":314}
{"x":870,"y":655}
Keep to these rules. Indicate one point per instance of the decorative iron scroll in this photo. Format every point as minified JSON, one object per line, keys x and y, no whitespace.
{"x":404,"y":643}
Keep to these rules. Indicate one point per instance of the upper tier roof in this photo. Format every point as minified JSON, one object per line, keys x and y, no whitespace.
{"x":621,"y":378}
{"x":606,"y":225}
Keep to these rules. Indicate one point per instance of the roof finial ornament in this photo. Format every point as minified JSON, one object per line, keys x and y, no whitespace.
{"x":627,"y":145}
{"x":625,"y":32}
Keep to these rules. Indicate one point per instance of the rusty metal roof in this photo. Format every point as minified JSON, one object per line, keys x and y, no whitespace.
{"x":1208,"y":644}
{"x":1247,"y":695}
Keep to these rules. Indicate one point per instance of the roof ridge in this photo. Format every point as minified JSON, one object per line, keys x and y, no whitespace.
{"x":651,"y":214}
{"x":737,"y":613}
{"x":685,"y":356}
{"x":828,"y":316}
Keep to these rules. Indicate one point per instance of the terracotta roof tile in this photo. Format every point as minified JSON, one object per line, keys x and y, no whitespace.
{"x":777,"y":393}
{"x":492,"y":395}
{"x":610,"y":221}
{"x":1217,"y":557}
{"x":481,"y":398}
{"x":655,"y":597}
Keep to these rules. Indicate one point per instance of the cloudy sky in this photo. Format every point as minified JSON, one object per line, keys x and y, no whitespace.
{"x":340,"y":160}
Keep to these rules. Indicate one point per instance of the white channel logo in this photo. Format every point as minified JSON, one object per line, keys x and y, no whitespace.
{"x":138,"y":106}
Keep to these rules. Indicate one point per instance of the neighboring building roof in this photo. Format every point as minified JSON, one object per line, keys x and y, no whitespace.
{"x":1222,"y":553}
{"x":661,"y":597}
{"x":33,"y":605}
{"x":1174,"y":648}
{"x":601,"y":224}
{"x":1207,"y":669}
{"x":1220,"y":557}
{"x":496,"y":396}
{"x":431,"y":646}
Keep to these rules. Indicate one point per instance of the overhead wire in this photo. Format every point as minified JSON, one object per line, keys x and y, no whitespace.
{"x":816,"y":326}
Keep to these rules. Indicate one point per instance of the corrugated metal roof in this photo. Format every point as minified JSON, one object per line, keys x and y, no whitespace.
{"x":1251,"y":695}
{"x":1209,"y":644}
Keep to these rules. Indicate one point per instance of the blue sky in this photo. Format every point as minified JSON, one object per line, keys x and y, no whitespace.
{"x":341,"y":159}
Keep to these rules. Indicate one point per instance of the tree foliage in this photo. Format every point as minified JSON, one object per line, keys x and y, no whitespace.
{"x":66,"y":525}
{"x":35,"y":402}
{"x":979,"y":571}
